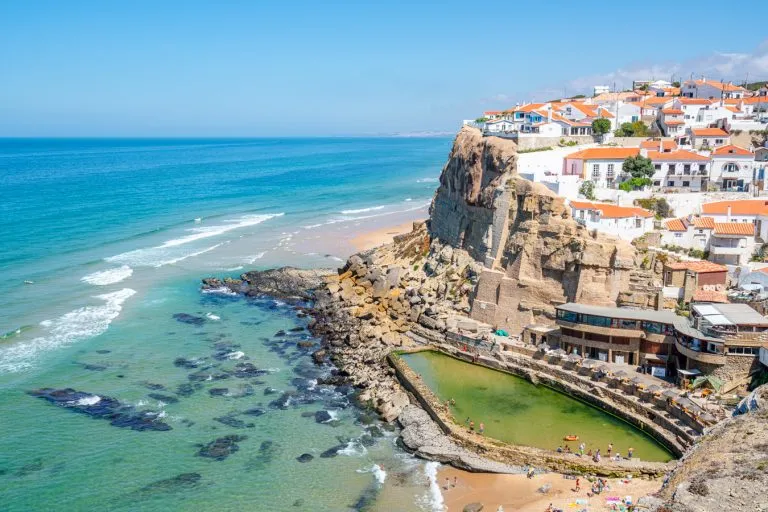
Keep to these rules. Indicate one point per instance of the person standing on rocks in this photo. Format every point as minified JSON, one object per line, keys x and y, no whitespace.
{"x":482,"y":428}
{"x":610,"y":449}
{"x":472,"y":426}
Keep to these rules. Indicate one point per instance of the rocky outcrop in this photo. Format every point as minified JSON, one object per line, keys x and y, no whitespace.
{"x":727,"y":470}
{"x":534,"y":254}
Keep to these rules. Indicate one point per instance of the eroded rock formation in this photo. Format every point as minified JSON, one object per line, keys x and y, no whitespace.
{"x":534,"y":253}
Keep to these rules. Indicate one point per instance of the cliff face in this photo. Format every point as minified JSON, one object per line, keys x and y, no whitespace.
{"x":535,"y":255}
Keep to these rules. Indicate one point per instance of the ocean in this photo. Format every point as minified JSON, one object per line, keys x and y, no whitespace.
{"x":182,"y":400}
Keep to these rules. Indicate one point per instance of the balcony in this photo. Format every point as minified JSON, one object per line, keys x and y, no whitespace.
{"x":697,"y":355}
{"x":724,"y":251}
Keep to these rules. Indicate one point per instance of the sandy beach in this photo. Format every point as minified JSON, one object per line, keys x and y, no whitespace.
{"x":380,"y":236}
{"x":518,"y":493}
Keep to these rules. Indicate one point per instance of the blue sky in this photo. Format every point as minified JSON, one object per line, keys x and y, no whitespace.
{"x":329,"y":68}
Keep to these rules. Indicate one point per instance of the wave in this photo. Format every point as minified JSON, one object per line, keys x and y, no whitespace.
{"x":211,"y":316}
{"x":378,"y":473}
{"x":79,"y":324}
{"x":229,"y":225}
{"x":354,"y":448}
{"x":110,"y":276}
{"x":351,"y":218}
{"x":428,"y":180}
{"x":363,"y":210}
{"x":434,"y":499}
{"x":251,"y":260}
{"x":221,"y":290}
{"x":15,"y":332}
{"x":155,"y":256}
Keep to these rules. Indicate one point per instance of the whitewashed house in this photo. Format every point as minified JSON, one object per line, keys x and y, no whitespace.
{"x":711,"y":89}
{"x":671,"y":122}
{"x":680,"y":170}
{"x":625,"y":222}
{"x":732,"y":243}
{"x":600,"y":165}
{"x":500,"y":126}
{"x":690,"y":108}
{"x":709,"y":138}
{"x":750,"y":211}
{"x":733,"y":168}
{"x":688,"y":232}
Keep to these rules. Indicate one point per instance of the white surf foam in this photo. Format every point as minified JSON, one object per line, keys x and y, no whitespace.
{"x":228,"y":225}
{"x":236,"y":355}
{"x":378,"y":473}
{"x":363,"y":210}
{"x":252,"y":259}
{"x":428,"y":180}
{"x":156,"y":256}
{"x":71,"y":327}
{"x":434,"y":498}
{"x":211,"y":316}
{"x":110,"y":276}
{"x":88,"y":400}
{"x":233,"y":269}
{"x":221,"y":290}
{"x":353,"y":449}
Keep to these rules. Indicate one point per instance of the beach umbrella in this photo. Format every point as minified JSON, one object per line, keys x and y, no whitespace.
{"x":670,"y":393}
{"x":653,"y":388}
{"x":621,"y":374}
{"x":589,"y":363}
{"x":573,"y":358}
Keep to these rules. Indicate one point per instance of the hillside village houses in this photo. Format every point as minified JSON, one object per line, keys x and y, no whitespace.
{"x":700,"y":143}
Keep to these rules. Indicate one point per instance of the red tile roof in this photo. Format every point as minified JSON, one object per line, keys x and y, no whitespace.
{"x":741,"y":207}
{"x":611,"y":211}
{"x":704,"y":223}
{"x":719,"y":85}
{"x":672,"y":111}
{"x":710,"y":296}
{"x":694,"y":101}
{"x":709,"y":132}
{"x":675,"y":225}
{"x":681,"y":155}
{"x":731,"y":149}
{"x":610,"y":153}
{"x":734,"y":228}
{"x":672,"y":122}
{"x":699,"y":266}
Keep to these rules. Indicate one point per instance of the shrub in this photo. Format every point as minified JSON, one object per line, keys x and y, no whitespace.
{"x":699,"y":487}
{"x":533,"y":150}
{"x":587,"y":189}
{"x":601,"y":126}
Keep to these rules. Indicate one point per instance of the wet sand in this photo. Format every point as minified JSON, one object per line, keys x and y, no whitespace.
{"x":380,"y":236}
{"x":518,"y":493}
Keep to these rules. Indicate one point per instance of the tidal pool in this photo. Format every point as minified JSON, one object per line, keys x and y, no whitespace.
{"x":516,"y":411}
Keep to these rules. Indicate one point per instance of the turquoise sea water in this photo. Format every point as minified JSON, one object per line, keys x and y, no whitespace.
{"x":104,"y":241}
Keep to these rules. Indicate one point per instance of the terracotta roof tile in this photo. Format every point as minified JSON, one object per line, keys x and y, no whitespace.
{"x":709,"y":132}
{"x":731,"y":149}
{"x":680,"y":155}
{"x":672,"y":111}
{"x":704,"y":223}
{"x":611,"y":153}
{"x":654,"y":144}
{"x":699,"y":266}
{"x":734,"y":228}
{"x":694,"y":101}
{"x":611,"y":211}
{"x":675,"y":225}
{"x":710,"y":296}
{"x":741,"y":207}
{"x":673,"y":122}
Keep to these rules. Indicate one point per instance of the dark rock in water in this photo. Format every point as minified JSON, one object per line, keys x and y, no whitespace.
{"x":305,"y":457}
{"x":319,"y":356}
{"x":323,"y":417}
{"x":218,"y":391}
{"x":225,"y":350}
{"x":233,"y":422}
{"x":153,"y":386}
{"x":32,"y":467}
{"x":270,"y":391}
{"x":375,"y":431}
{"x":243,"y":391}
{"x":222,"y":447}
{"x":303,"y":384}
{"x":185,"y":389}
{"x":104,"y":407}
{"x":332,"y":452}
{"x":177,"y":483}
{"x":367,"y":499}
{"x":280,"y":333}
{"x":120,"y":376}
{"x":308,"y":414}
{"x":94,"y":367}
{"x":296,"y":329}
{"x":367,"y":440}
{"x":164,"y":398}
{"x":305,"y":344}
{"x":267,"y":453}
{"x":247,"y":370}
{"x":254,"y":412}
{"x":189,"y":319}
{"x":298,"y":503}
{"x":282,"y":402}
{"x":183,"y":362}
{"x":103,"y":351}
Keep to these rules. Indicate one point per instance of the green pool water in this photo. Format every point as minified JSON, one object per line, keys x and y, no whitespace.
{"x":516,"y":411}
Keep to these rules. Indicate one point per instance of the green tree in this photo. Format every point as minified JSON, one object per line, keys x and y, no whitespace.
{"x":675,"y":84}
{"x":634,"y":184}
{"x":481,"y":119}
{"x":587,"y":189}
{"x":601,"y":126}
{"x":638,"y":167}
{"x":636,"y":129}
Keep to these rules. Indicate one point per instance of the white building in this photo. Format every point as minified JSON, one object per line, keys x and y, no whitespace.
{"x":709,"y":138}
{"x":671,"y":122}
{"x":625,"y":222}
{"x":600,"y":165}
{"x":733,"y":168}
{"x":732,"y":243}
{"x":500,"y":126}
{"x":680,"y":170}
{"x":690,"y":108}
{"x":751,"y":211}
{"x":688,"y":232}
{"x":600,"y":89}
{"x":711,"y":89}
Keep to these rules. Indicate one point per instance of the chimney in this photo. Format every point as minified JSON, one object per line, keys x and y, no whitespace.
{"x":728,"y":215}
{"x":661,"y":145}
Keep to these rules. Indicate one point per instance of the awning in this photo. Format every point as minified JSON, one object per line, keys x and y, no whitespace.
{"x":689,"y":373}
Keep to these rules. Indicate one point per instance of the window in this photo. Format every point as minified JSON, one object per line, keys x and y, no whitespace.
{"x":598,"y":321}
{"x":638,"y":222}
{"x":686,"y":183}
{"x":596,"y":170}
{"x":657,"y":167}
{"x":671,"y":168}
{"x":657,"y":183}
{"x":678,"y":235}
{"x":718,"y":142}
{"x":743,"y":350}
{"x":670,"y":183}
{"x":731,"y":167}
{"x":609,"y":174}
{"x":687,"y":168}
{"x":705,"y":142}
{"x":568,"y":316}
{"x":573,"y":168}
{"x":702,"y":167}
{"x":627,"y":324}
{"x":653,"y":327}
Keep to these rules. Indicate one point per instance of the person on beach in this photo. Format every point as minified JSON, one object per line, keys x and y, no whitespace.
{"x":482,"y":428}
{"x":531,"y":473}
{"x":447,"y":483}
{"x":455,"y":481}
{"x":589,"y":453}
{"x":578,"y":485}
{"x":581,"y":449}
{"x":630,"y":452}
{"x":610,"y":448}
{"x":453,"y":402}
{"x":559,"y":449}
{"x":466,"y":421}
{"x":472,"y":426}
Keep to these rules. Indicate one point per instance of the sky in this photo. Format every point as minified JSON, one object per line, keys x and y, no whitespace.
{"x":282,"y":68}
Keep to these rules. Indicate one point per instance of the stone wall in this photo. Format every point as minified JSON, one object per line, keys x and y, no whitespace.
{"x":534,"y":142}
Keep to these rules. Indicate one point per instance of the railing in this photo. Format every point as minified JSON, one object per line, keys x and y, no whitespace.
{"x":704,"y":357}
{"x":717,"y":249}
